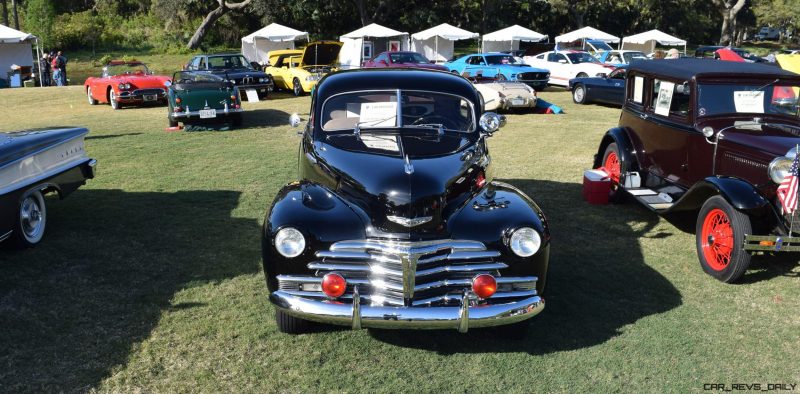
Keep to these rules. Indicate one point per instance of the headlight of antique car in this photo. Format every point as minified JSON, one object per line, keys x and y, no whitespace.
{"x":525,"y":242}
{"x":124,"y":86}
{"x":781,"y":166}
{"x":289,"y":242}
{"x":262,"y":80}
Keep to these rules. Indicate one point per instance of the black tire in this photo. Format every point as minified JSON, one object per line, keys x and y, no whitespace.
{"x":172,"y":122}
{"x":501,"y":77}
{"x":617,"y":195}
{"x":31,"y":221}
{"x":289,"y":324}
{"x":297,"y":88}
{"x":236,"y":119}
{"x":582,"y":75}
{"x":717,"y":217}
{"x":579,"y":94}
{"x":514,"y":331}
{"x":89,"y":97}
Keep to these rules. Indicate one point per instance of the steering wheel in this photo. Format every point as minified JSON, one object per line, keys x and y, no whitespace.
{"x":436,"y":119}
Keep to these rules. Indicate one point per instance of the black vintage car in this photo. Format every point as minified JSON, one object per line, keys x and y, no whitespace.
{"x":32,"y":164}
{"x":710,"y":140}
{"x":244,"y":75}
{"x":609,"y":89}
{"x":396,"y":221}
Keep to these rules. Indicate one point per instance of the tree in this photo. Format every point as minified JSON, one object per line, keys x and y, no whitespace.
{"x":728,"y":9}
{"x":39,"y":17}
{"x":14,"y":13}
{"x":212,"y":17}
{"x":5,"y":12}
{"x":782,"y":14}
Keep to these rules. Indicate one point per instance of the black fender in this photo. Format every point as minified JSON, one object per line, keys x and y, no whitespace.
{"x":627,"y":152}
{"x":492,"y":215}
{"x":318,"y":213}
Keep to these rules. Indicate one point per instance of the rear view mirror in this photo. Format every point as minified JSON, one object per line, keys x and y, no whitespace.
{"x":684,"y":89}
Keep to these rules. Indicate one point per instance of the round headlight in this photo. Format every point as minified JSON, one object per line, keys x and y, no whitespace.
{"x":121,"y":86}
{"x":779,"y":168}
{"x":525,"y":242}
{"x":289,"y":242}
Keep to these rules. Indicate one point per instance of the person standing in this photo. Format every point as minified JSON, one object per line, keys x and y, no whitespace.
{"x":56,"y":69}
{"x":62,"y":64}
{"x":44,"y":68}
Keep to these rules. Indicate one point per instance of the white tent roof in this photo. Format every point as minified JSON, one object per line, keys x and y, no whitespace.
{"x":11,"y":36}
{"x":654,"y":35}
{"x":374,"y":30}
{"x":515,"y":32}
{"x":445,"y":31}
{"x":276,"y":32}
{"x":589,"y":33}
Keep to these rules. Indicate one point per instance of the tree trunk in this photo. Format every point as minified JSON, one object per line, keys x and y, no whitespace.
{"x":212,"y":17}
{"x":362,"y":12}
{"x":14,"y":13}
{"x":728,"y":9}
{"x":5,"y":13}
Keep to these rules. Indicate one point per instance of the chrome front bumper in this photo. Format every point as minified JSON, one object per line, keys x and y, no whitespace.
{"x":357,"y":316}
{"x":193,"y":114}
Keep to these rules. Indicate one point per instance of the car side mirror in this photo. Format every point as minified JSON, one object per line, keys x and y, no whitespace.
{"x":490,"y":122}
{"x":295,"y":120}
{"x":433,"y":61}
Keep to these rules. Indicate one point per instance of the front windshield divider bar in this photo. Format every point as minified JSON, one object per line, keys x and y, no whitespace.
{"x":399,"y":110}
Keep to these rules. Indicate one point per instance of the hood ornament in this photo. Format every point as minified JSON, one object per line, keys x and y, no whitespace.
{"x":409,"y":222}
{"x":407,"y":166}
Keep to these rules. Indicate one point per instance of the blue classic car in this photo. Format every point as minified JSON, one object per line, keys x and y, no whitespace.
{"x":501,"y":66}
{"x":608,"y":90}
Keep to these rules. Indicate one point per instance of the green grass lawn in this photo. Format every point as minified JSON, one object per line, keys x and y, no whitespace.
{"x":149,"y":278}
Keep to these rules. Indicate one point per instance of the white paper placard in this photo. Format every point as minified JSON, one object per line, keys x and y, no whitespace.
{"x":384,"y":142}
{"x":638,"y":89}
{"x":664,"y":100}
{"x":749,"y":101}
{"x":252,"y":95}
{"x":378,"y":114}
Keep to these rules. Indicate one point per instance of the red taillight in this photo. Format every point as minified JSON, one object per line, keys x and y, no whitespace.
{"x":480,"y":180}
{"x":178,"y":109}
{"x":333,"y":285}
{"x":484,"y":285}
{"x":236,"y":106}
{"x":178,"y":100}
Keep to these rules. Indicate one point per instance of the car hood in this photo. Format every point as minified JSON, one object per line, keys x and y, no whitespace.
{"x":426,"y":66}
{"x":320,"y":53}
{"x":429,"y":185}
{"x":17,"y":145}
{"x":240,"y":73}
{"x":771,"y":139}
{"x":518,"y":68}
{"x":142,"y":81}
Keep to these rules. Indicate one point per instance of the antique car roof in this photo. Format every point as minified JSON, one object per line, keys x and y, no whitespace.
{"x":687,"y":68}
{"x":394,"y":78}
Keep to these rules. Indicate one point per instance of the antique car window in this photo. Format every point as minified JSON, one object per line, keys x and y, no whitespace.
{"x":555,"y":57}
{"x":184,"y":77}
{"x":125,"y":69}
{"x":670,"y":98}
{"x":637,"y":90}
{"x":501,"y":59}
{"x":581,"y":57}
{"x":776,"y":99}
{"x":379,"y":110}
{"x":617,"y":74}
{"x":196,"y":63}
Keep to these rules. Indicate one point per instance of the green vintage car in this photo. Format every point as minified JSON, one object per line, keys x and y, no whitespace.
{"x":196,"y":97}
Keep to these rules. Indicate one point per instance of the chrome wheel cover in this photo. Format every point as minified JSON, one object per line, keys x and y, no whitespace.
{"x":89,"y":96}
{"x":32,"y":217}
{"x":578,"y":94}
{"x":112,"y":98}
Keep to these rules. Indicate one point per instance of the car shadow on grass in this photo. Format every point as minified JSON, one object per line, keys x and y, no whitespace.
{"x":597,"y":283}
{"x":73,"y":308}
{"x":264,"y":117}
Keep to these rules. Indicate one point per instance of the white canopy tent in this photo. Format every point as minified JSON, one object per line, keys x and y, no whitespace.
{"x":269,"y":38}
{"x":646,"y":42}
{"x":15,"y":48}
{"x":436,"y":43}
{"x":509,"y":39}
{"x":586,"y":33}
{"x":357,"y":47}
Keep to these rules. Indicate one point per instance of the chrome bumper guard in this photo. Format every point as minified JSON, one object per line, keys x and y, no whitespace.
{"x":771,"y":243}
{"x":359,"y":316}
{"x":190,"y":114}
{"x":507,"y":103}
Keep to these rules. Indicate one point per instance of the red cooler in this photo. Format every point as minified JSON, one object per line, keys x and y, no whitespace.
{"x":596,"y":186}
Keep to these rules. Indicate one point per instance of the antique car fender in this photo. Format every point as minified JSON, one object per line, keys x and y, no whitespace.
{"x":737,"y":192}
{"x":492,"y":215}
{"x":619,"y":136}
{"x":318,"y":213}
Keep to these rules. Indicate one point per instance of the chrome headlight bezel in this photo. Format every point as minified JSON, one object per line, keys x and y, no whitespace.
{"x":290,"y":242}
{"x":780,"y":166}
{"x":525,"y":242}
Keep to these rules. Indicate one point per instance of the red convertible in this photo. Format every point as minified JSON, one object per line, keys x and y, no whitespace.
{"x":127,"y":83}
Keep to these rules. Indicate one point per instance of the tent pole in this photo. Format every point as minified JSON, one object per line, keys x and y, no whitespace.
{"x":38,"y":57}
{"x":436,"y":45}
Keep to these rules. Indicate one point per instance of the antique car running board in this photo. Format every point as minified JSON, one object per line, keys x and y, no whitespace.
{"x":771,"y":243}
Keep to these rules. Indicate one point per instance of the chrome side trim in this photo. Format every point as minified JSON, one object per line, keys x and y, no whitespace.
{"x":462,"y":268}
{"x":5,"y":236}
{"x":47,"y":174}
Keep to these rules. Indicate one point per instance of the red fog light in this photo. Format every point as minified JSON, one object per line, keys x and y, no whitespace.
{"x":333,"y":285}
{"x":484,"y":286}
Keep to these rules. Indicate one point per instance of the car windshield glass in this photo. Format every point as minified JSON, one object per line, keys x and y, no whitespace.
{"x":195,"y":77}
{"x":629,"y":56}
{"x":581,"y":57}
{"x":601,"y":46}
{"x":768,"y":98}
{"x":408,"y":58}
{"x":501,"y":59}
{"x":227,"y":62}
{"x":128,"y":68}
{"x":379,"y":109}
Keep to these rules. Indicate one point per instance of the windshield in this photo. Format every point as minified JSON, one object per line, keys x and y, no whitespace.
{"x":379,"y":109}
{"x":501,"y":59}
{"x":411,"y":57}
{"x":601,"y":46}
{"x":776,"y":99}
{"x":227,"y":62}
{"x":629,"y":56}
{"x":581,"y":57}
{"x":195,"y":77}
{"x":123,"y":69}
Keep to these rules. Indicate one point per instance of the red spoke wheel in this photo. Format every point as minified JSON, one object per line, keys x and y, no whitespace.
{"x":613,"y":167}
{"x":720,"y":237}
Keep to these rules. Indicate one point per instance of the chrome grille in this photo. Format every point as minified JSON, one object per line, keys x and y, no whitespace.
{"x":402,"y":273}
{"x":148,"y":91}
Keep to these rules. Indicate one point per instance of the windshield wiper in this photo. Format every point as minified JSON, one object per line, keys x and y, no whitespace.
{"x":357,"y":128}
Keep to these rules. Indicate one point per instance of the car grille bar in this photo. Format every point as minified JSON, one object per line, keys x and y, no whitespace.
{"x":532,"y":76}
{"x":403,"y":273}
{"x":156,"y":91}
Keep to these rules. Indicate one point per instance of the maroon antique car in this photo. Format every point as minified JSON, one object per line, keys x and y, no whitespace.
{"x":403,"y":60}
{"x":714,"y":140}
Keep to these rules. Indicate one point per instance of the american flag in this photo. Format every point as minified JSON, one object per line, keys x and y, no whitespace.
{"x":787,"y":191}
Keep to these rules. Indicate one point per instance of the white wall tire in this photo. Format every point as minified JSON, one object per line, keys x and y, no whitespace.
{"x":31,"y":220}
{"x":91,"y":99}
{"x":112,"y":99}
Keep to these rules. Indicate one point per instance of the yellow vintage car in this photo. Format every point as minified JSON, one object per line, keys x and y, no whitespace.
{"x":299,"y":70}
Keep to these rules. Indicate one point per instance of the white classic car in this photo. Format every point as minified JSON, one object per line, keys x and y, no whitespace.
{"x":502,"y":95}
{"x":565,"y":65}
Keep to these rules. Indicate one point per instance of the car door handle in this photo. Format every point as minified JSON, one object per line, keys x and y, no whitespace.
{"x":643,"y":116}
